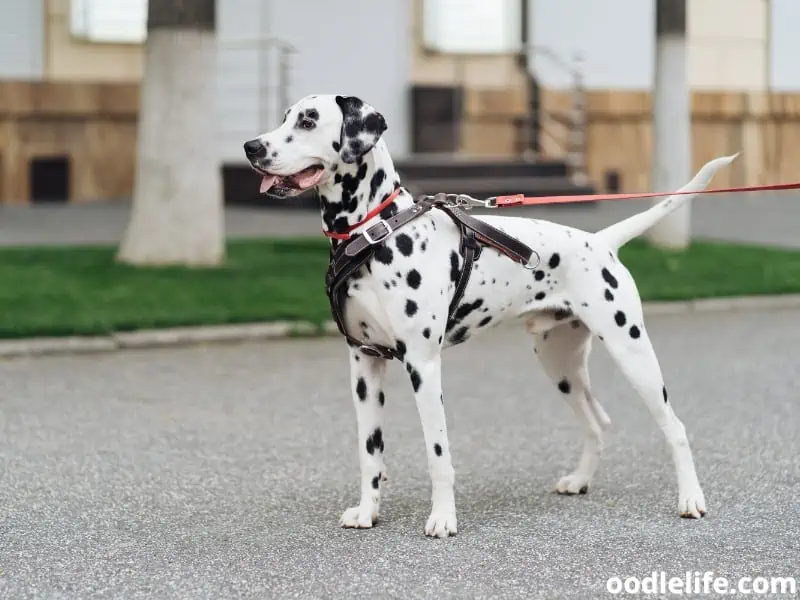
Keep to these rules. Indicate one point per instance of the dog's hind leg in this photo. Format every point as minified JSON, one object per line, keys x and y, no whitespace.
{"x":608,"y":303}
{"x":366,"y":379}
{"x":564,"y":352}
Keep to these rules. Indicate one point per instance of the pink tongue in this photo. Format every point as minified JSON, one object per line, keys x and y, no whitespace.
{"x":266,"y":183}
{"x":308,"y":178}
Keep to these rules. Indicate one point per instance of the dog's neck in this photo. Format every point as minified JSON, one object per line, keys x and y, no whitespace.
{"x":355,"y":189}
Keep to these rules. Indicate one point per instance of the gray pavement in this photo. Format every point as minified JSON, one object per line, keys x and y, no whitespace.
{"x":221,"y":472}
{"x":772,"y":219}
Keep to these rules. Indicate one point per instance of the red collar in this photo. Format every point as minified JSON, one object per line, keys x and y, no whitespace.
{"x":345,"y":235}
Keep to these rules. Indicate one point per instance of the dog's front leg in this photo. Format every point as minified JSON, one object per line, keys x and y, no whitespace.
{"x":426,"y":379}
{"x":366,"y":380}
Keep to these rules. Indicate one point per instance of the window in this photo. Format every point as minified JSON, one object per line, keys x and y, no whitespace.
{"x":49,"y":178}
{"x":472,"y":26}
{"x":104,"y":21}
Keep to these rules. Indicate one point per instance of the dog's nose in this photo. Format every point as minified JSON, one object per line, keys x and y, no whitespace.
{"x":255,"y":149}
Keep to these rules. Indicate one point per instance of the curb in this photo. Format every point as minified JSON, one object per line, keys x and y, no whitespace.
{"x":214,"y":334}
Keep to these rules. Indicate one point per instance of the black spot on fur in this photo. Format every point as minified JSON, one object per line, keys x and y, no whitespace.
{"x":454,"y":262}
{"x":609,"y":296}
{"x":413,"y":279}
{"x":384,"y":254}
{"x":538,"y":275}
{"x":459,"y":336}
{"x":375,"y":441}
{"x":561,"y":314}
{"x":337,"y":146}
{"x":289,"y":139}
{"x":405,"y":244}
{"x":485,"y":321}
{"x":411,"y":308}
{"x":609,"y":278}
{"x":437,"y":449}
{"x":381,"y":398}
{"x":554,"y":261}
{"x":416,"y":380}
{"x":426,"y":333}
{"x":400,"y":348}
{"x":376,"y":482}
{"x":634,"y":332}
{"x":539,"y":296}
{"x":361,"y":389}
{"x":462,"y":312}
{"x":620,"y":318}
{"x":664,"y":393}
{"x":564,"y":387}
{"x":377,"y":180}
{"x":389,"y":211}
{"x":465,"y":309}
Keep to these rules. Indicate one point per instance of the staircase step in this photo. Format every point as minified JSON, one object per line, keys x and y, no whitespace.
{"x":430,"y":167}
{"x":241,"y":187}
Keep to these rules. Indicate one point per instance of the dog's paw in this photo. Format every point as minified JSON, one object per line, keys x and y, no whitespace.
{"x":360,"y":517}
{"x":441,"y":524}
{"x":692,"y":506}
{"x":572,"y":484}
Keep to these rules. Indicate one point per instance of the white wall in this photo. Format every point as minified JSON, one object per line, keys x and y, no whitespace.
{"x":21,"y":39}
{"x":785,"y":46}
{"x":615,"y":38}
{"x":727,"y":38}
{"x":350,"y":47}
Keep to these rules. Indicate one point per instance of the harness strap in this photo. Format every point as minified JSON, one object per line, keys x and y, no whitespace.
{"x":351,"y":256}
{"x":356,"y":251}
{"x":470,"y":250}
{"x":497,"y":239}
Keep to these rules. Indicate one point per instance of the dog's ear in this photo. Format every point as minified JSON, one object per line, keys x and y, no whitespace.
{"x":362,"y":127}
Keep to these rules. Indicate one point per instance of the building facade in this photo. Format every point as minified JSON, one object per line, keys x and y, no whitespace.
{"x":447,"y":74}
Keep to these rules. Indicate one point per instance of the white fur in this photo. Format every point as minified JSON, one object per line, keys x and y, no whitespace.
{"x":580,"y":291}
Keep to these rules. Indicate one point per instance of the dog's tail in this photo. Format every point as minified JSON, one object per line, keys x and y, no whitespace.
{"x":619,"y":234}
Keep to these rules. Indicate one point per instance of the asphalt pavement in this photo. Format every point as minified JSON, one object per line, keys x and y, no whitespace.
{"x":221,"y":471}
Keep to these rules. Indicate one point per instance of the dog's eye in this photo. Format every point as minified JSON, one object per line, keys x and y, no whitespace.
{"x":307,"y":124}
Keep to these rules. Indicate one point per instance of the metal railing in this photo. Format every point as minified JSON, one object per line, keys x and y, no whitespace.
{"x":267,"y":74}
{"x":560,"y":133}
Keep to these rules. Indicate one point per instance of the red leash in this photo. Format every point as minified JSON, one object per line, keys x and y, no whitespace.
{"x":520,"y":200}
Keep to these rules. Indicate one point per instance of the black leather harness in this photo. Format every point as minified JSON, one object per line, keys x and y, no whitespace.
{"x":353,"y":253}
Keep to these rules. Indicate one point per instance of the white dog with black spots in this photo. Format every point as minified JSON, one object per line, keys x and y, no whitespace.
{"x":400,"y":299}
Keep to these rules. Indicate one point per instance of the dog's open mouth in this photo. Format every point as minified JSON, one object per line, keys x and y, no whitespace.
{"x":300,"y":181}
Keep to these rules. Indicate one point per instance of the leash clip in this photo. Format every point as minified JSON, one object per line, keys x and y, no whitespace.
{"x":466,"y":202}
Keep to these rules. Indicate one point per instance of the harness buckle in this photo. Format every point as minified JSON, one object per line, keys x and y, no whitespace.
{"x":380,"y":236}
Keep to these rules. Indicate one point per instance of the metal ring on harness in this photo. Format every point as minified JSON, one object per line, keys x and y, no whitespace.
{"x":531,"y":267}
{"x":370,"y":351}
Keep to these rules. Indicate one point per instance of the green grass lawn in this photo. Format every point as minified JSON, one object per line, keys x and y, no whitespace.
{"x":48,"y":291}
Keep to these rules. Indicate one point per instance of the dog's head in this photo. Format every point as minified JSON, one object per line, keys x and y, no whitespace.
{"x":317,"y":134}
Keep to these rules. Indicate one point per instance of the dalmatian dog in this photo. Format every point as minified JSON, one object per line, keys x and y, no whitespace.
{"x":580,"y":290}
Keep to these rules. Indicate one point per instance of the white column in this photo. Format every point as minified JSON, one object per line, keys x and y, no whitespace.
{"x":672,"y":142}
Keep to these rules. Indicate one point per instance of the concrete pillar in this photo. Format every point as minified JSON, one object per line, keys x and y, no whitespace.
{"x":672,"y":143}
